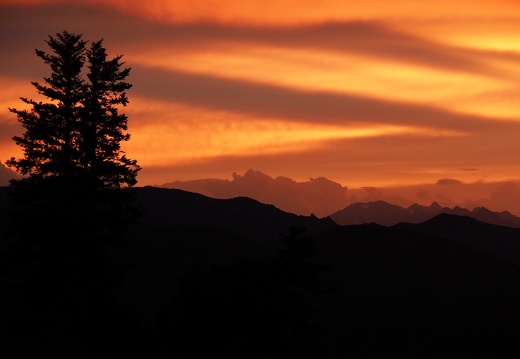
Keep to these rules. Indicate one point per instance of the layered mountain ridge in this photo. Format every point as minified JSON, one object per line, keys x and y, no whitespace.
{"x":387,"y":214}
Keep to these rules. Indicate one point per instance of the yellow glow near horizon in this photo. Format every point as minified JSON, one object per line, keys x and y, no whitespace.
{"x":484,"y":31}
{"x":187,"y":133}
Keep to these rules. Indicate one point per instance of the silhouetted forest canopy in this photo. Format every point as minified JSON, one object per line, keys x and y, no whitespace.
{"x":93,"y":266}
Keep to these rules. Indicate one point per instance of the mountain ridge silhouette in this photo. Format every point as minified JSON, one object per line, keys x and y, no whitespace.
{"x":323,"y":196}
{"x":320,"y":196}
{"x":244,"y":216}
{"x":387,"y":214}
{"x":499,"y":241}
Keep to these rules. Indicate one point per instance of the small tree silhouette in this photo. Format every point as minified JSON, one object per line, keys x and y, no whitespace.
{"x":249,"y":309}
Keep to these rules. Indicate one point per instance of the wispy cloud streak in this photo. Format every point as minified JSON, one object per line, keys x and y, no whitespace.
{"x":369,"y":38}
{"x":269,"y":101}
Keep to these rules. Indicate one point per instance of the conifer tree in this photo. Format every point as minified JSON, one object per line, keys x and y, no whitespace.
{"x":75,"y":198}
{"x":103,"y":127}
{"x":72,"y":143}
{"x":49,"y":143}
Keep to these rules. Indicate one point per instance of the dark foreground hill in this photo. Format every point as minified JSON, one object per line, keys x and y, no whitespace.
{"x":410,"y":293}
{"x":235,"y":278}
{"x":246,"y":217}
{"x":384,"y":291}
{"x":439,"y":288}
{"x":500,"y":241}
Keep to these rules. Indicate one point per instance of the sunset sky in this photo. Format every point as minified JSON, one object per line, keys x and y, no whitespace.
{"x":365,"y":93}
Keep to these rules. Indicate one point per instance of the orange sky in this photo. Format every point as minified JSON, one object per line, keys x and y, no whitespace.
{"x":366,"y":93}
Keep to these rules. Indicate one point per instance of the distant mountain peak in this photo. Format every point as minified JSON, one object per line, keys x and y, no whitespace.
{"x":435,"y":205}
{"x":480,"y":210}
{"x":447,"y":217}
{"x":375,"y":205}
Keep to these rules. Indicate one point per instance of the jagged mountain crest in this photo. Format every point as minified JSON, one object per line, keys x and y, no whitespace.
{"x":387,"y":214}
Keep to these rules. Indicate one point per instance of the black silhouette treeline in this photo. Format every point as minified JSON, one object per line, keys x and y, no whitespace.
{"x":92,"y":266}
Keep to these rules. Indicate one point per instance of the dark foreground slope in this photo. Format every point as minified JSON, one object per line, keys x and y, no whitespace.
{"x":500,"y":241}
{"x":384,"y":291}
{"x":243,"y":216}
{"x":406,"y":292}
{"x":210,"y":278}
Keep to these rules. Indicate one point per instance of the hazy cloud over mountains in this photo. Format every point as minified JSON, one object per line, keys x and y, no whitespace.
{"x":322,"y":197}
{"x":319,"y":196}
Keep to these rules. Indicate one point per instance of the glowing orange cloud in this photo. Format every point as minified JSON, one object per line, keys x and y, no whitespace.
{"x":190,"y":133}
{"x":328,"y":71}
{"x":309,"y":11}
{"x":287,"y":12}
{"x":363,"y":92}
